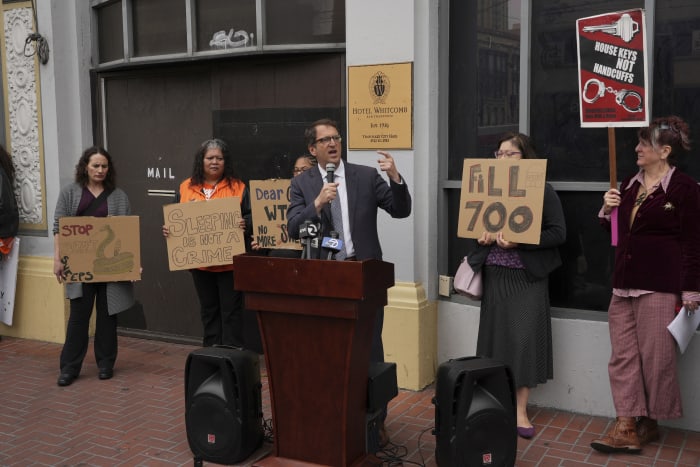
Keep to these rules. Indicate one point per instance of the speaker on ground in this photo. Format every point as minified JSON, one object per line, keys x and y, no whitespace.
{"x":475,"y":419}
{"x":382,"y":387}
{"x":223,"y":404}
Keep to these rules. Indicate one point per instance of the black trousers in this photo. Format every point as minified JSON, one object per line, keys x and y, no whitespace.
{"x":221,"y":308}
{"x":77,"y":339}
{"x":376,"y":354}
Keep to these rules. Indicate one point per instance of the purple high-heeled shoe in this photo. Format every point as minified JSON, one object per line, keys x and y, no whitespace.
{"x":526,"y":432}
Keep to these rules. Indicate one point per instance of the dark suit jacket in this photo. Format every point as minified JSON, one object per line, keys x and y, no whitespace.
{"x":367,"y":191}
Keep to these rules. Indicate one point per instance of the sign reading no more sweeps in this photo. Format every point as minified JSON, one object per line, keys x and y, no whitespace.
{"x":269,"y":203}
{"x":502,"y":195}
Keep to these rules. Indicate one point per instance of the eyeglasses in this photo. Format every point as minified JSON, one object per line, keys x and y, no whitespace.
{"x":499,"y":154}
{"x":327,"y":139}
{"x":298,"y":170}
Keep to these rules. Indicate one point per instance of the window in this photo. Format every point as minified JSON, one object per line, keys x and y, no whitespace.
{"x":160,"y":27}
{"x":304,"y":21}
{"x":484,"y":75}
{"x":222,"y":24}
{"x":110,"y":32}
{"x":577,"y":158}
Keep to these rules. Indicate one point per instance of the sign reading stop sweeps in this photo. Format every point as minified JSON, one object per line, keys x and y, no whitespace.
{"x":613,"y":73}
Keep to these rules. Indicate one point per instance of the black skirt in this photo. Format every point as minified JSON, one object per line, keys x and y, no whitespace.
{"x":515,"y":324}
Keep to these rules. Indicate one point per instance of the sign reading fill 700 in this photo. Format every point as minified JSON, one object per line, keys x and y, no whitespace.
{"x":502,"y":195}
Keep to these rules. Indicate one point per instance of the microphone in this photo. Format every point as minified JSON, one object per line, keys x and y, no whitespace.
{"x":308,"y":234}
{"x":304,"y":237}
{"x":330,"y":172}
{"x":333,"y":244}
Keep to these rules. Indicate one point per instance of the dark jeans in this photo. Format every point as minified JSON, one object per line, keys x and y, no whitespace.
{"x":221,"y":308}
{"x":105,"y":345}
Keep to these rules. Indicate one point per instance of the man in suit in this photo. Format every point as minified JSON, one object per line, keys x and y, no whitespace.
{"x":360,"y":191}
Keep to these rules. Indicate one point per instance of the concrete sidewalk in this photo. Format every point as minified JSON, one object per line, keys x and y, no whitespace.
{"x":138,"y":417}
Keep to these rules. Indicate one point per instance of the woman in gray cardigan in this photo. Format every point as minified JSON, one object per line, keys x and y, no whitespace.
{"x":93,"y":194}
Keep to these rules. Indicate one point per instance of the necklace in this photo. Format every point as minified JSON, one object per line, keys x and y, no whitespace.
{"x":640,"y":199}
{"x":208,"y":192}
{"x":643,"y":195}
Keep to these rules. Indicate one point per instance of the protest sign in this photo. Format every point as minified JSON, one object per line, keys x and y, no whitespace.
{"x":8,"y":283}
{"x":204,"y":233}
{"x":100,"y":249}
{"x":613,"y":76}
{"x":269,"y":203}
{"x":502,"y":195}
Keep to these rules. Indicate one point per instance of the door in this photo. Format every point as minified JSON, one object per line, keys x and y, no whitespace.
{"x":153,"y":122}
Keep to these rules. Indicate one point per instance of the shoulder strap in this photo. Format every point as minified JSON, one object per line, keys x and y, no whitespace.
{"x":96,"y":203}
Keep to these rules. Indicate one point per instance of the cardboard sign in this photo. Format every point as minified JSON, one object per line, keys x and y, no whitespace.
{"x":269,"y":200}
{"x":204,"y":233}
{"x":8,"y":283}
{"x":613,"y":80}
{"x":100,"y":249}
{"x":502,"y":195}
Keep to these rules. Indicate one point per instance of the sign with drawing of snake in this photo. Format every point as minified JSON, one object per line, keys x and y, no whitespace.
{"x":100,"y":249}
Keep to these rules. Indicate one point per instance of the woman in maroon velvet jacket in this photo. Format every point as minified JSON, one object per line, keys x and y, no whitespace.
{"x":657,"y":266}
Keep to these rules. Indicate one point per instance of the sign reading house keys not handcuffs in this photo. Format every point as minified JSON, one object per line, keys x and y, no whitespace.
{"x":612,"y":69}
{"x":612,"y":78}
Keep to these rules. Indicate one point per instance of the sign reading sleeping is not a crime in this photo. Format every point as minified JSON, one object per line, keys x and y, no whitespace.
{"x":502,"y":195}
{"x":203,"y":233}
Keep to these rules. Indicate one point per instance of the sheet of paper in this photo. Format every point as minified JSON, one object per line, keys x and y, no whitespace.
{"x":683,"y":328}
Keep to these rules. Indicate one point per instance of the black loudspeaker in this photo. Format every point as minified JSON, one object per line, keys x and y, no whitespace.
{"x":382,"y":386}
{"x":223,"y":404}
{"x":475,"y":419}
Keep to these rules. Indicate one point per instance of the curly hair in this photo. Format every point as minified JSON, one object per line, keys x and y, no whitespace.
{"x":197,"y":177}
{"x":6,"y":164}
{"x":669,"y":131}
{"x":81,"y":175}
{"x":521,"y":141}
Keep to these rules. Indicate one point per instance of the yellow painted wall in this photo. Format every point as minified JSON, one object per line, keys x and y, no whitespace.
{"x":410,"y":335}
{"x":41,"y":312}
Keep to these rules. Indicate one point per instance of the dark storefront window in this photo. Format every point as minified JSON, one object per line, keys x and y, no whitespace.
{"x":676,"y":73}
{"x":160,"y":27}
{"x":304,"y":21}
{"x":574,"y":154}
{"x":110,"y":32}
{"x":484,"y":91}
{"x":222,"y":24}
{"x":577,"y":157}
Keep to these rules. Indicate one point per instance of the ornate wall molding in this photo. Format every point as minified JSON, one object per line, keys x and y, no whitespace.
{"x":22,"y":115}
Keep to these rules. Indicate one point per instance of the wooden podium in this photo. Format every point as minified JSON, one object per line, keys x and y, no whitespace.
{"x":316,"y":319}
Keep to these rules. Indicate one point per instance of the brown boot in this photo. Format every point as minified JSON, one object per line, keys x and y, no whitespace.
{"x":621,"y":438}
{"x":647,"y":430}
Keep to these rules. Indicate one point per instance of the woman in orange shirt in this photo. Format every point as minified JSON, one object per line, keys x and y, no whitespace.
{"x":221,"y":306}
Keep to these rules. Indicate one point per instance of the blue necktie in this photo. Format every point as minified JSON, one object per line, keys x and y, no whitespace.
{"x":337,"y":216}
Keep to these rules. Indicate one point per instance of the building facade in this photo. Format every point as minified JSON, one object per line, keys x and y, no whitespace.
{"x":150,"y":80}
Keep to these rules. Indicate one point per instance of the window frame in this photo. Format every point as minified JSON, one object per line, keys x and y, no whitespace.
{"x":447,"y":186}
{"x":130,"y":59}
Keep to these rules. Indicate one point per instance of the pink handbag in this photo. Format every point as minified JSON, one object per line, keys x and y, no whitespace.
{"x":467,"y":282}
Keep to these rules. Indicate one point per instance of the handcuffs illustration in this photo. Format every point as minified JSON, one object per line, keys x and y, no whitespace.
{"x":621,"y":97}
